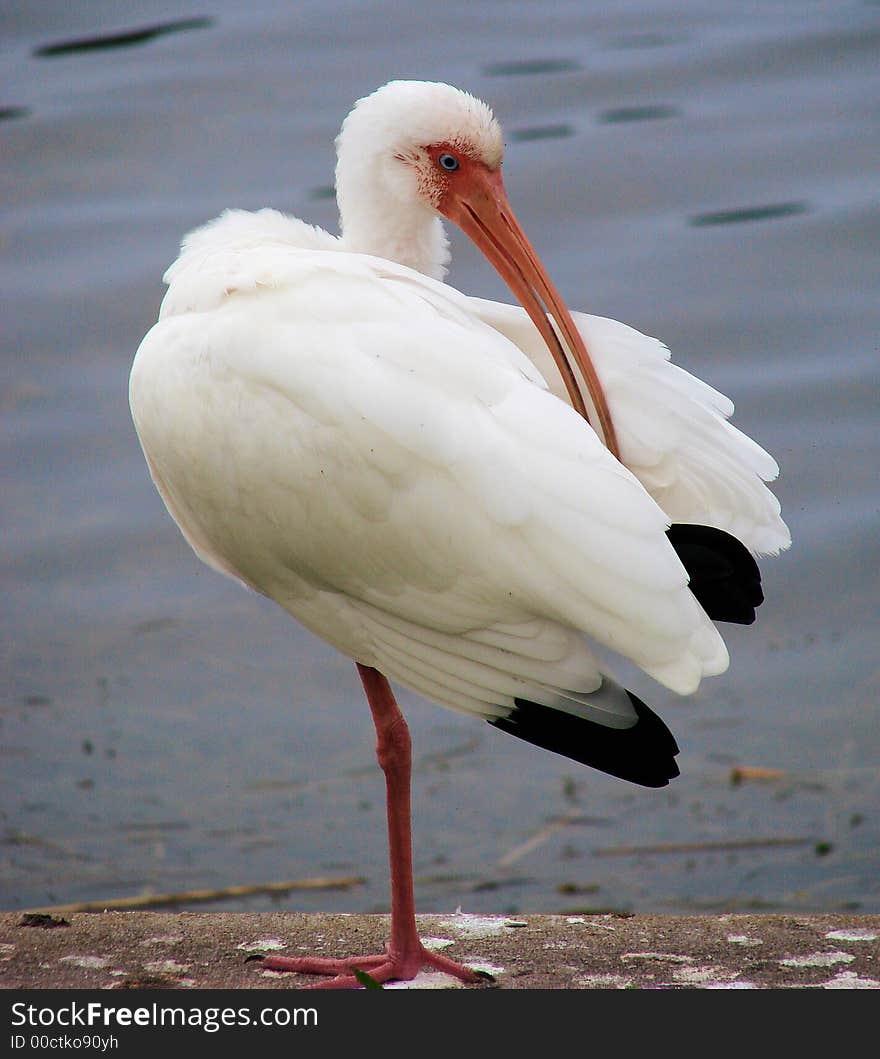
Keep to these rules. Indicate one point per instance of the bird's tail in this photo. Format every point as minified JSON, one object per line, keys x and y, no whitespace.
{"x":644,"y":753}
{"x":723,"y":574}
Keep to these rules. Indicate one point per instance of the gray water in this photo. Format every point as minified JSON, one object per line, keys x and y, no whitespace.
{"x":708,"y":173}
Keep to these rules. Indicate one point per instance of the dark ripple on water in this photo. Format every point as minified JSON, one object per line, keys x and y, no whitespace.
{"x":127,"y":38}
{"x":748,"y":213}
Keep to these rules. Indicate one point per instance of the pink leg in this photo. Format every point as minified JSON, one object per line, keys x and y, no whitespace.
{"x":405,"y":955}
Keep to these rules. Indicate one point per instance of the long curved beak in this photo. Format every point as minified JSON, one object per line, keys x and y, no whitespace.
{"x":480,"y":208}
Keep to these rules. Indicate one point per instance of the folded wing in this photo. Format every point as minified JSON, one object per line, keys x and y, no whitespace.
{"x":673,"y":429}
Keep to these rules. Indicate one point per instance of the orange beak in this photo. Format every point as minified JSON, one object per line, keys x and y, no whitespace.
{"x":479,"y":206}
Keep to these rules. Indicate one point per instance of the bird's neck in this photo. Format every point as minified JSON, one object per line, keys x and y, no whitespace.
{"x":372,"y":223}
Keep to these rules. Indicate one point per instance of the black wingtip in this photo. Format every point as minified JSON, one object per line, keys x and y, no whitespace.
{"x":643,"y":754}
{"x":723,"y":574}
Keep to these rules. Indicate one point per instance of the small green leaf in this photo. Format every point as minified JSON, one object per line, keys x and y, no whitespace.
{"x":366,"y":980}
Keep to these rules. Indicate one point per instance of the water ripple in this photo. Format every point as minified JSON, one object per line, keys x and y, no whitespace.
{"x":123,"y":39}
{"x":542,"y":132}
{"x":748,"y":213}
{"x":617,"y":115}
{"x":517,"y":68}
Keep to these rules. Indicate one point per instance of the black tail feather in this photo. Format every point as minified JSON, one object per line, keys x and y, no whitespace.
{"x":723,"y":574}
{"x":726,"y":582}
{"x":643,"y":753}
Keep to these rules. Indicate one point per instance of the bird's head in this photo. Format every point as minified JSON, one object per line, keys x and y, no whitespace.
{"x":424,"y":149}
{"x":423,"y":142}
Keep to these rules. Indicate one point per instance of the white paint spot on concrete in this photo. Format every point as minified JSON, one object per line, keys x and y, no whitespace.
{"x":262,"y":945}
{"x":597,"y":924}
{"x":734,"y":984}
{"x":436,"y":944}
{"x":476,"y":964}
{"x":93,"y":963}
{"x":850,"y":980}
{"x":852,"y":935}
{"x":744,"y":939}
{"x":818,"y":959}
{"x":480,"y":926}
{"x":705,"y":975}
{"x":166,"y":967}
{"x":427,"y":980}
{"x":666,"y":957}
{"x":603,"y":981}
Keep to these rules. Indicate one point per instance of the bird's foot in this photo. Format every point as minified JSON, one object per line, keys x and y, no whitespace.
{"x":383,"y":967}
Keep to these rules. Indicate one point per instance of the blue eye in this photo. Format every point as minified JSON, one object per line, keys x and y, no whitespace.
{"x":449,"y":162}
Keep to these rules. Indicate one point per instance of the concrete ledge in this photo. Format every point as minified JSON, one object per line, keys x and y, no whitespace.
{"x":156,"y":950}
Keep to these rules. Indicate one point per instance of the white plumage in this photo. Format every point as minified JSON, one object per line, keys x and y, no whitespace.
{"x":673,"y":428}
{"x":362,"y":445}
{"x":397,"y":464}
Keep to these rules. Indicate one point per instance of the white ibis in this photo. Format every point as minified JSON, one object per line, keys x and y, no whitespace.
{"x":478,"y":501}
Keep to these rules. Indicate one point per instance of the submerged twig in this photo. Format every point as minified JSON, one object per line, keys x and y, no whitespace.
{"x":701,"y":847}
{"x":185,"y":897}
{"x":572,"y":816}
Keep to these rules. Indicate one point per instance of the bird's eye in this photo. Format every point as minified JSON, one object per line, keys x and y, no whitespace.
{"x":449,"y":162}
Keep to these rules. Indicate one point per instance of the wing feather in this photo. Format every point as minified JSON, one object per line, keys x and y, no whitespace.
{"x":673,"y":428}
{"x":399,"y":479}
